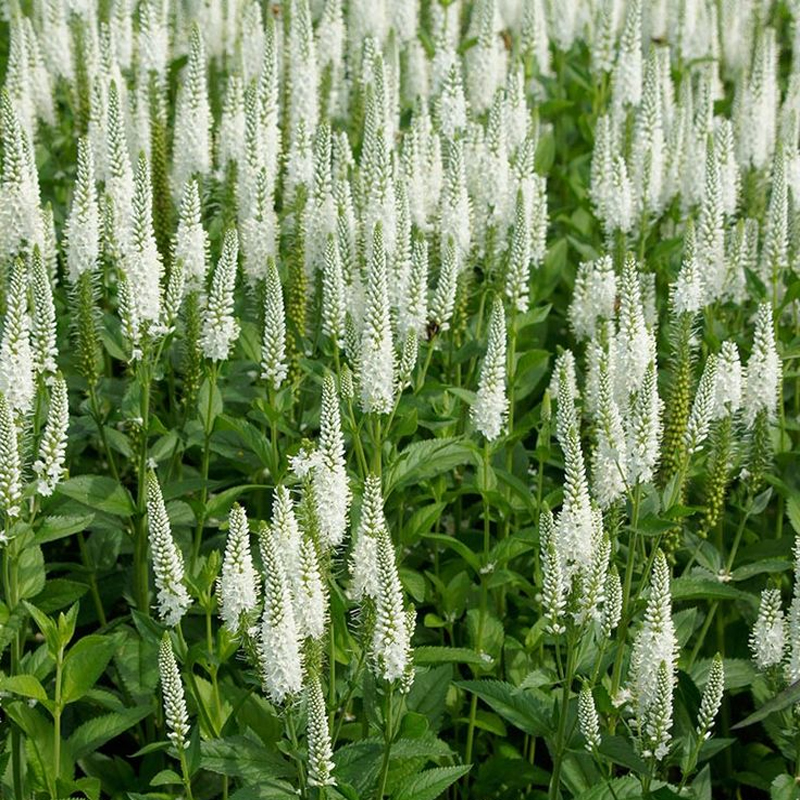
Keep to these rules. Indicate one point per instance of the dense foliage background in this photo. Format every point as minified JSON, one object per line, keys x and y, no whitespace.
{"x":493,"y":710}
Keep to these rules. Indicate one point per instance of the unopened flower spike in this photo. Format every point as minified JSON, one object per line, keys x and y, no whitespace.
{"x":712,"y":697}
{"x":320,"y":751}
{"x":588,"y":720}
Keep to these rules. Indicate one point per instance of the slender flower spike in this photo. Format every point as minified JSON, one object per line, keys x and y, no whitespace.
{"x":10,"y":468}
{"x":519,"y":265}
{"x":43,"y":329}
{"x":612,"y":606}
{"x":654,"y":727}
{"x":191,"y":241}
{"x":364,"y":556}
{"x":49,"y":466}
{"x":273,"y":344}
{"x":175,"y":713}
{"x":82,"y":230}
{"x":702,"y":408}
{"x":320,"y":750}
{"x":655,"y":645}
{"x":712,"y":697}
{"x":192,"y":146}
{"x":728,"y":384}
{"x":391,"y":641}
{"x":281,"y":657}
{"x":331,"y":488}
{"x":377,"y":344}
{"x":444,"y":297}
{"x":173,"y":599}
{"x":16,"y":360}
{"x":588,"y":720}
{"x":238,"y":584}
{"x":221,"y":330}
{"x":491,"y":405}
{"x":333,"y":293}
{"x":768,"y":638}
{"x":142,"y":261}
{"x":311,"y":599}
{"x":554,"y":589}
{"x":763,"y":370}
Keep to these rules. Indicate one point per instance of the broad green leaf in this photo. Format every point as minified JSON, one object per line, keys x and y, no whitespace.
{"x":521,"y":708}
{"x":84,"y":664}
{"x":100,"y":493}
{"x":25,"y":685}
{"x":423,"y":460}
{"x":789,"y":696}
{"x":446,"y":655}
{"x":460,"y":547}
{"x":57,"y":527}
{"x":31,"y":572}
{"x":209,"y":404}
{"x":793,"y":512}
{"x":431,"y":783}
{"x":97,"y":731}
{"x":240,"y":757}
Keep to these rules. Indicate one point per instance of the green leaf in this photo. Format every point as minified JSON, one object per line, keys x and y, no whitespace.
{"x":793,"y":512}
{"x":100,"y":493}
{"x":460,"y":547}
{"x":53,"y":528}
{"x":240,"y":757}
{"x":84,"y":664}
{"x":32,"y":577}
{"x":429,"y":784}
{"x":784,"y":787}
{"x":24,"y":685}
{"x":447,"y":655}
{"x":209,"y":405}
{"x":693,"y":587}
{"x":426,"y":459}
{"x":521,"y":708}
{"x":789,"y":696}
{"x":58,"y":593}
{"x":97,"y":731}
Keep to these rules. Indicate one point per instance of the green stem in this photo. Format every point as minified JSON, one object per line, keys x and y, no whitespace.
{"x":101,"y":430}
{"x":473,"y":709}
{"x":387,"y":736}
{"x":292,"y":731}
{"x":201,"y":514}
{"x":10,"y":591}
{"x":57,"y":709}
{"x":555,"y":780}
{"x":626,"y":593}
